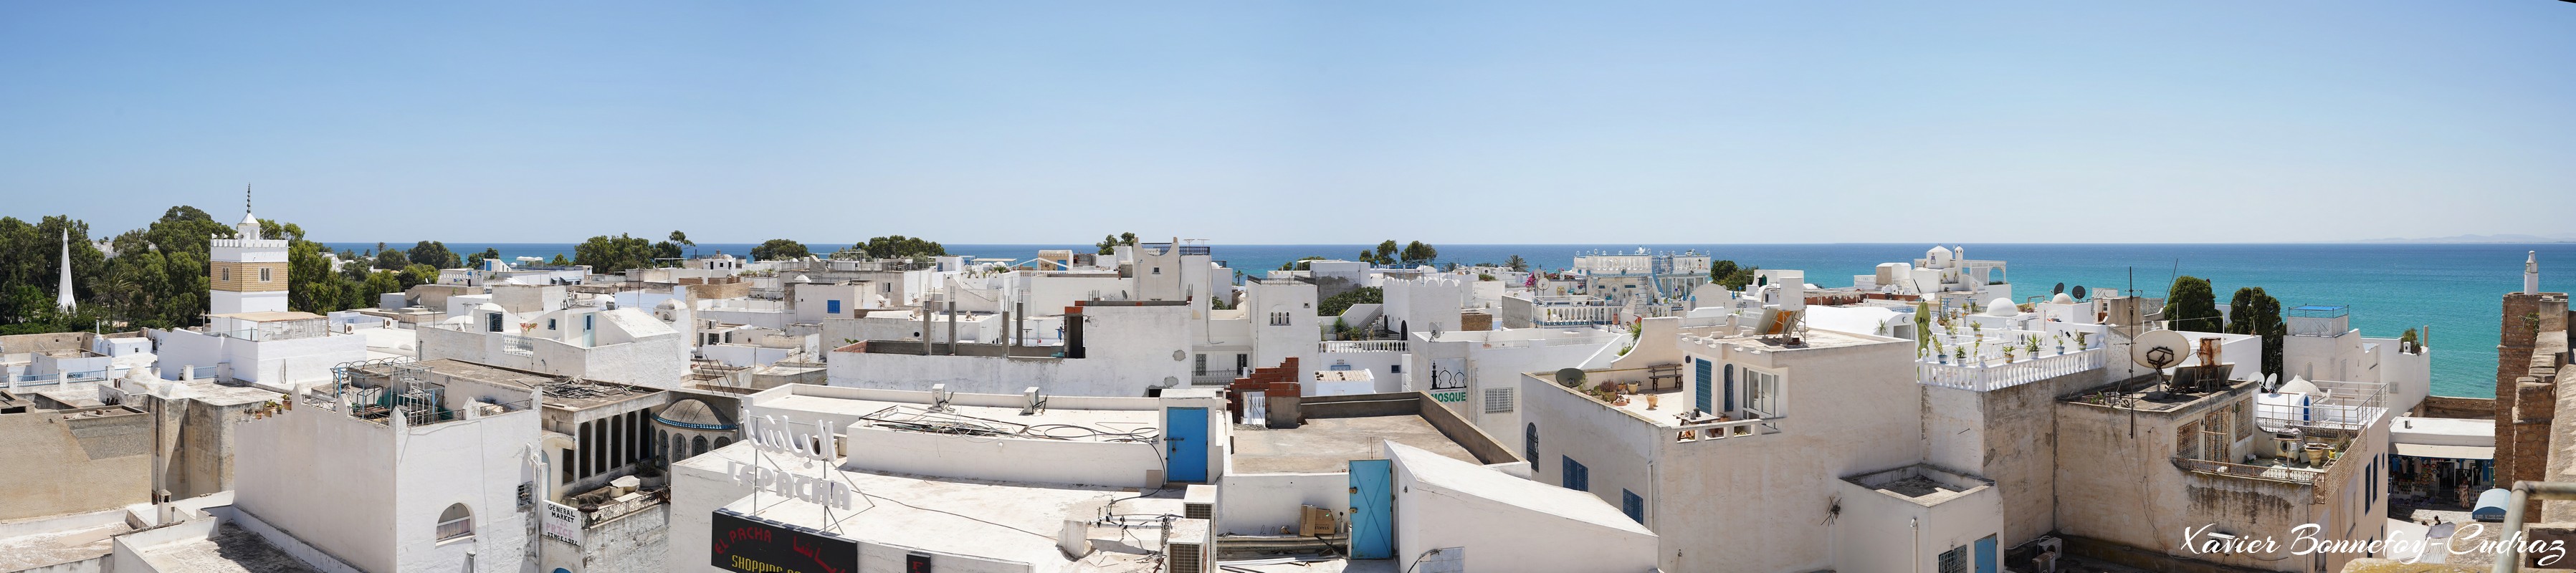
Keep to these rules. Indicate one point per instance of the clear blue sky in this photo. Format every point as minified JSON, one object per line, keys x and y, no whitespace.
{"x":1302,"y":122}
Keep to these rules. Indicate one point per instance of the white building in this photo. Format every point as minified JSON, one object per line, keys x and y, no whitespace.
{"x":249,"y":334}
{"x":400,"y":467}
{"x":545,"y":329}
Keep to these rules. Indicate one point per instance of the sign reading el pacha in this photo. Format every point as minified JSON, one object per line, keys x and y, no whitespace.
{"x":752,"y":545}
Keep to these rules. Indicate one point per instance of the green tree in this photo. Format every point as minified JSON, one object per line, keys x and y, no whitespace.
{"x":1516,"y":263}
{"x":899,"y":247}
{"x":1386,"y":252}
{"x":1367,"y":257}
{"x":391,"y":259}
{"x":1109,"y":243}
{"x":1336,"y":304}
{"x":607,"y":255}
{"x":1299,"y":264}
{"x":672,"y":250}
{"x":434,"y":253}
{"x":1419,"y":252}
{"x":417,"y":275}
{"x":167,"y":262}
{"x":2191,"y":306}
{"x":2409,"y":343}
{"x":1740,"y":278}
{"x":377,"y":284}
{"x":560,"y":261}
{"x":1719,"y":269}
{"x":476,"y":260}
{"x":2254,"y":312}
{"x":779,"y":249}
{"x":311,"y":286}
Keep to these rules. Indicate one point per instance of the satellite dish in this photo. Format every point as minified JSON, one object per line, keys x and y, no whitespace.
{"x":1570,"y":377}
{"x":2078,"y":292}
{"x":2159,"y":349}
{"x":2061,"y":287}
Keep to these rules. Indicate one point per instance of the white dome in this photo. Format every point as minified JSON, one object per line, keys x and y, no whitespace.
{"x":1936,"y":252}
{"x":2062,"y":298}
{"x":2002,"y":307}
{"x":800,"y":279}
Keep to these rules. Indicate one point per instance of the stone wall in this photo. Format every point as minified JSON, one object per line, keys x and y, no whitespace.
{"x":72,"y":461}
{"x":2532,"y":344}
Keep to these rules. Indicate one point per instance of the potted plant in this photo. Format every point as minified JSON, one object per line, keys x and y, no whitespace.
{"x":2031,"y":343}
{"x":2008,"y":355}
{"x":1962,"y":353}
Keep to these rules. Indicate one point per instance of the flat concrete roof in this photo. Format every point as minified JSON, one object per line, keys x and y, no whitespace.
{"x":228,"y":550}
{"x":33,"y":551}
{"x":1104,"y":420}
{"x":1326,"y":445}
{"x":998,"y":520}
{"x":486,"y":373}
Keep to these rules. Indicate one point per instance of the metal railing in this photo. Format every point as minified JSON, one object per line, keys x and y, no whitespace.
{"x":519,"y":345}
{"x":1986,"y":378}
{"x":2340,"y":405}
{"x":1542,"y":342}
{"x":458,"y":528}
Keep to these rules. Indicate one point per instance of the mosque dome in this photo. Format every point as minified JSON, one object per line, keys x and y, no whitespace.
{"x":2002,"y":307}
{"x":2062,"y":298}
{"x":693,"y":414}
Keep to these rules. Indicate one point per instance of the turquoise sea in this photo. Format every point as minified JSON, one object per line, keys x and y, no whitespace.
{"x":2455,"y":289}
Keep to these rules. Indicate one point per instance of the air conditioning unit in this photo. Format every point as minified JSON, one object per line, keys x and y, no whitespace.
{"x":1190,"y":547}
{"x":1199,"y":502}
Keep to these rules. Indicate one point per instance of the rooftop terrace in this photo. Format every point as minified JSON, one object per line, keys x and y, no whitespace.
{"x":1337,"y":429}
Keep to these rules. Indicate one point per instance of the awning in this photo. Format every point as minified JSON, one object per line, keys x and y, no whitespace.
{"x":2455,"y":452}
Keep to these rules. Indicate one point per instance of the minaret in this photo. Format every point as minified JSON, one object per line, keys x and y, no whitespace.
{"x":2531,"y":273}
{"x":63,"y":294}
{"x":248,"y":273}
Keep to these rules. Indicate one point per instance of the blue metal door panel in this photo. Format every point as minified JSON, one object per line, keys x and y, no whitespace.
{"x":1185,"y":436}
{"x":1986,"y":555}
{"x":1707,"y":388}
{"x":1730,"y":388}
{"x":1372,"y":509}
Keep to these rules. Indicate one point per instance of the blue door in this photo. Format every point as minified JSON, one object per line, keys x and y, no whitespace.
{"x":1185,"y":435}
{"x":1730,"y":388}
{"x":1372,"y":509}
{"x":1707,"y":390}
{"x":1986,"y":555}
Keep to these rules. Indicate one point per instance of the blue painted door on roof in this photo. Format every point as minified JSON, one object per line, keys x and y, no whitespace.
{"x":1185,"y":444}
{"x":1372,"y":509}
{"x":1706,"y":395}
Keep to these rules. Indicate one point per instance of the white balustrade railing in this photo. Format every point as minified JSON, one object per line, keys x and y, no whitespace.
{"x":1714,"y":431}
{"x":1361,"y":346}
{"x":1985,"y":377}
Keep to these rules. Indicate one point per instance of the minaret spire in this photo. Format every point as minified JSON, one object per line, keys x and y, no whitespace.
{"x":2531,"y":273}
{"x":63,"y":293}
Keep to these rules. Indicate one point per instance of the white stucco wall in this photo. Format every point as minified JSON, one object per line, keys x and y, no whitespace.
{"x":1111,"y":464}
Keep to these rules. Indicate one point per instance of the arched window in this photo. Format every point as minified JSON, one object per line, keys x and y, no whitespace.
{"x":1529,"y":443}
{"x":722,"y":442}
{"x":662,"y":449}
{"x":455,"y":523}
{"x":697,"y":445}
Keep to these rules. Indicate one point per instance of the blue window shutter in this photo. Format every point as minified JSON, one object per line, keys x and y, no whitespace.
{"x":1730,"y":387}
{"x":832,"y":306}
{"x":1632,"y":505}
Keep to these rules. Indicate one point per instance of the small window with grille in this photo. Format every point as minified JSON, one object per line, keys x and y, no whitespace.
{"x":1498,"y":400}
